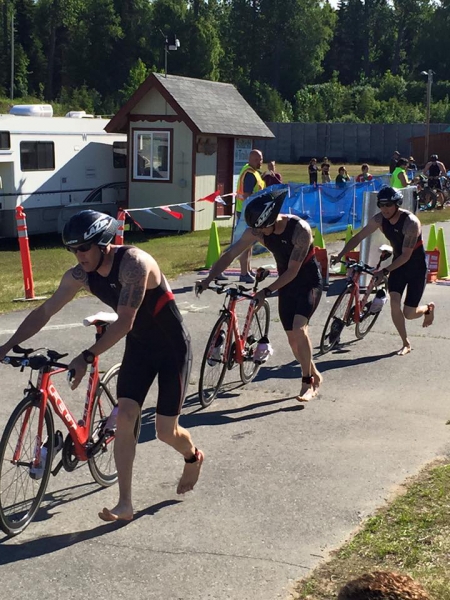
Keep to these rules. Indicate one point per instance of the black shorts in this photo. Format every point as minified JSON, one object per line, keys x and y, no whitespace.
{"x":434,"y":184}
{"x":410,"y":276}
{"x":301,"y":296}
{"x":145,"y":359}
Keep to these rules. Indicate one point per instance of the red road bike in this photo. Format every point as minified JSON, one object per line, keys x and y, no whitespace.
{"x":227,"y":345}
{"x":352,"y":307}
{"x":29,"y":442}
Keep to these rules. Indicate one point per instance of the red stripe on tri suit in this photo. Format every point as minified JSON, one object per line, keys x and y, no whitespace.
{"x":165,"y":298}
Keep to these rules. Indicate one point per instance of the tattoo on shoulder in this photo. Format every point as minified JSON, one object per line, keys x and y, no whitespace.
{"x":411,"y":231}
{"x":80,"y":275}
{"x":378,"y":218}
{"x":132,"y":269}
{"x":133,"y":277}
{"x":302,"y":239}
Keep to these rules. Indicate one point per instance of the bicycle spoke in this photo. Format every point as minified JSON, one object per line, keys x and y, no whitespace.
{"x":259,"y":327}
{"x":214,"y":363}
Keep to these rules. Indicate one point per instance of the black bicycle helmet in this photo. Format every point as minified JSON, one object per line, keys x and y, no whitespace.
{"x":390,"y":194}
{"x":89,"y":226}
{"x":434,"y":157}
{"x":264,"y":209}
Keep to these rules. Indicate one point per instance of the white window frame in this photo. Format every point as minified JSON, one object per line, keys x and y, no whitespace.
{"x":137,"y":133}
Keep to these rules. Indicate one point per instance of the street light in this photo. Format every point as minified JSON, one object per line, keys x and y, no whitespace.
{"x":429,"y":74}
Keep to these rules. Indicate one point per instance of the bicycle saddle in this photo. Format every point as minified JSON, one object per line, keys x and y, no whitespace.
{"x":100,"y":318}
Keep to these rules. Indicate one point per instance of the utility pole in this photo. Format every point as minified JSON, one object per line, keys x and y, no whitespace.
{"x":429,"y":74}
{"x":12,"y":53}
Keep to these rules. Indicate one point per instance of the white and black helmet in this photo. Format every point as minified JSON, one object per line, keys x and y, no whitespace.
{"x":89,"y":226}
{"x":389,"y":194}
{"x":264,"y":209}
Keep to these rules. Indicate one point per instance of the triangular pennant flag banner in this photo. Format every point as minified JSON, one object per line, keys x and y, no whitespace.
{"x":210,"y":197}
{"x":220,"y":200}
{"x":134,"y":221}
{"x":149,"y":210}
{"x":187,"y":207}
{"x":173,"y":213}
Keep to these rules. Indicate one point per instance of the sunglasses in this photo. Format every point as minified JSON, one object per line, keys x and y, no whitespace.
{"x":82,"y":248}
{"x":387,"y":204}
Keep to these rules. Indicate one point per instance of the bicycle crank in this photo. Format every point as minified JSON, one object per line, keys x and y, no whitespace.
{"x":68,"y":458}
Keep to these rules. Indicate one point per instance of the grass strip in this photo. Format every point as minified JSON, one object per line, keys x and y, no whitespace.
{"x":410,"y":535}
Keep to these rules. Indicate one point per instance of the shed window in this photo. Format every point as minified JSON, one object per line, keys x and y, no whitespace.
{"x":120,"y":155}
{"x":37,"y":156}
{"x":5,"y":142}
{"x":152,"y":155}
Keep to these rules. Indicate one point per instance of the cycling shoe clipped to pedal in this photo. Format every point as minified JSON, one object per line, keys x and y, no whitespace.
{"x":263,"y":351}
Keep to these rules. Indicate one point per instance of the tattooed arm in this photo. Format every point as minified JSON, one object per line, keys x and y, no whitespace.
{"x":73,"y":281}
{"x":138,"y":270}
{"x":411,"y":231}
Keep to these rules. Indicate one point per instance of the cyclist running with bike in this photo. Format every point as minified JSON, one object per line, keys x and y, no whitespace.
{"x":299,"y":282}
{"x":408,"y":269}
{"x":157,"y":344}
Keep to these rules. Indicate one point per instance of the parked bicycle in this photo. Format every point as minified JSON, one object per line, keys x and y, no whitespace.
{"x":227,"y":345}
{"x":29,"y":442}
{"x":352,"y":307}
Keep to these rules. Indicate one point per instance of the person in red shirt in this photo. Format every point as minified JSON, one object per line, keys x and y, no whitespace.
{"x":271,"y":177}
{"x":364,"y":175}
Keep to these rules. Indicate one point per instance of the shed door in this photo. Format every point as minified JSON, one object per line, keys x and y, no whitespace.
{"x":225,"y":152}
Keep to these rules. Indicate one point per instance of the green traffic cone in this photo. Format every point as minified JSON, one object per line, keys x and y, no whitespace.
{"x":443,"y":261}
{"x":213,"y":246}
{"x":318,"y":239}
{"x":432,"y":239}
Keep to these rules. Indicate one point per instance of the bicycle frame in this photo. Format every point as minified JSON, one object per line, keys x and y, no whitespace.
{"x":233,"y":331}
{"x":360,"y":303}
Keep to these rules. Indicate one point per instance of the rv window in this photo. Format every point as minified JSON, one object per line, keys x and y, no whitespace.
{"x":120,"y":155}
{"x":152,"y":155}
{"x":5,"y":142}
{"x":37,"y":156}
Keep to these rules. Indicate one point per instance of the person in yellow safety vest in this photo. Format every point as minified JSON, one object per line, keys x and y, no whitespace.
{"x":399,"y":178}
{"x":250,"y":181}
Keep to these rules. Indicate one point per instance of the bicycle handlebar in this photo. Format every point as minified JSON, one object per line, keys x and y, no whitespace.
{"x":359,"y":266}
{"x":222,"y":288}
{"x":36,"y":362}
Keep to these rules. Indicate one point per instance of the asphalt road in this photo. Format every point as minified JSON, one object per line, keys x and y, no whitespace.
{"x":282,"y":484}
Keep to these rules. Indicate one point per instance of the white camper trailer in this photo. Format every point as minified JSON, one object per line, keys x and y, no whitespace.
{"x":48,"y":163}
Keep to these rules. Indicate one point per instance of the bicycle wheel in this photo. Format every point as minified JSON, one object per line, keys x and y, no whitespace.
{"x":336,"y":322}
{"x":21,"y":492}
{"x":102,"y":464}
{"x":259,"y":327}
{"x":214,"y":363}
{"x":367,"y":321}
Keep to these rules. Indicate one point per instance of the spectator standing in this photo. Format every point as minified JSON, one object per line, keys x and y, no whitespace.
{"x":271,"y":177}
{"x":325,"y":169}
{"x":249,"y":182}
{"x":393,"y":162}
{"x":399,"y":178}
{"x":313,"y":171}
{"x":364,"y":175}
{"x":412,"y":164}
{"x":342,"y":177}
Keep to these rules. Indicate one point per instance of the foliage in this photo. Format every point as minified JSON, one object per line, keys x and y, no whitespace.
{"x":291,"y":59}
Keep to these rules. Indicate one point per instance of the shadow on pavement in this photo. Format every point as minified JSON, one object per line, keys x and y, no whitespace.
{"x":47,"y":545}
{"x":328,"y":365}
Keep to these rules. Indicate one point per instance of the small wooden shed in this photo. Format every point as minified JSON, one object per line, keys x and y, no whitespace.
{"x":439,"y":143}
{"x":187,"y":138}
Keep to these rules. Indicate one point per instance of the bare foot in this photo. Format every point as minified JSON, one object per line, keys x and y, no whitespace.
{"x":405,"y":350}
{"x":191,"y":473}
{"x":429,"y":318}
{"x":307,"y":392}
{"x":318,"y":379}
{"x":118,"y":513}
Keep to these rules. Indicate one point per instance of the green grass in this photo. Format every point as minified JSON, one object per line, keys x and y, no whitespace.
{"x":411,"y":535}
{"x":176,"y":254}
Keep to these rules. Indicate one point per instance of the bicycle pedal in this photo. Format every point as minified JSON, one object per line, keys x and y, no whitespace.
{"x":57,"y":469}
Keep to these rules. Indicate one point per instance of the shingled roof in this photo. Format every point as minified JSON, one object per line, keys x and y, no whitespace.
{"x":209,"y":107}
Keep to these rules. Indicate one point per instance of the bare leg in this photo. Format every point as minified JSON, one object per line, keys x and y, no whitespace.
{"x":169,"y":431}
{"x":124,"y":452}
{"x":244,"y":260}
{"x":399,"y":321}
{"x":302,"y":349}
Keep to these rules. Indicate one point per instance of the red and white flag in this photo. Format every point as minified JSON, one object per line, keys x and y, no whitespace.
{"x":171,"y":212}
